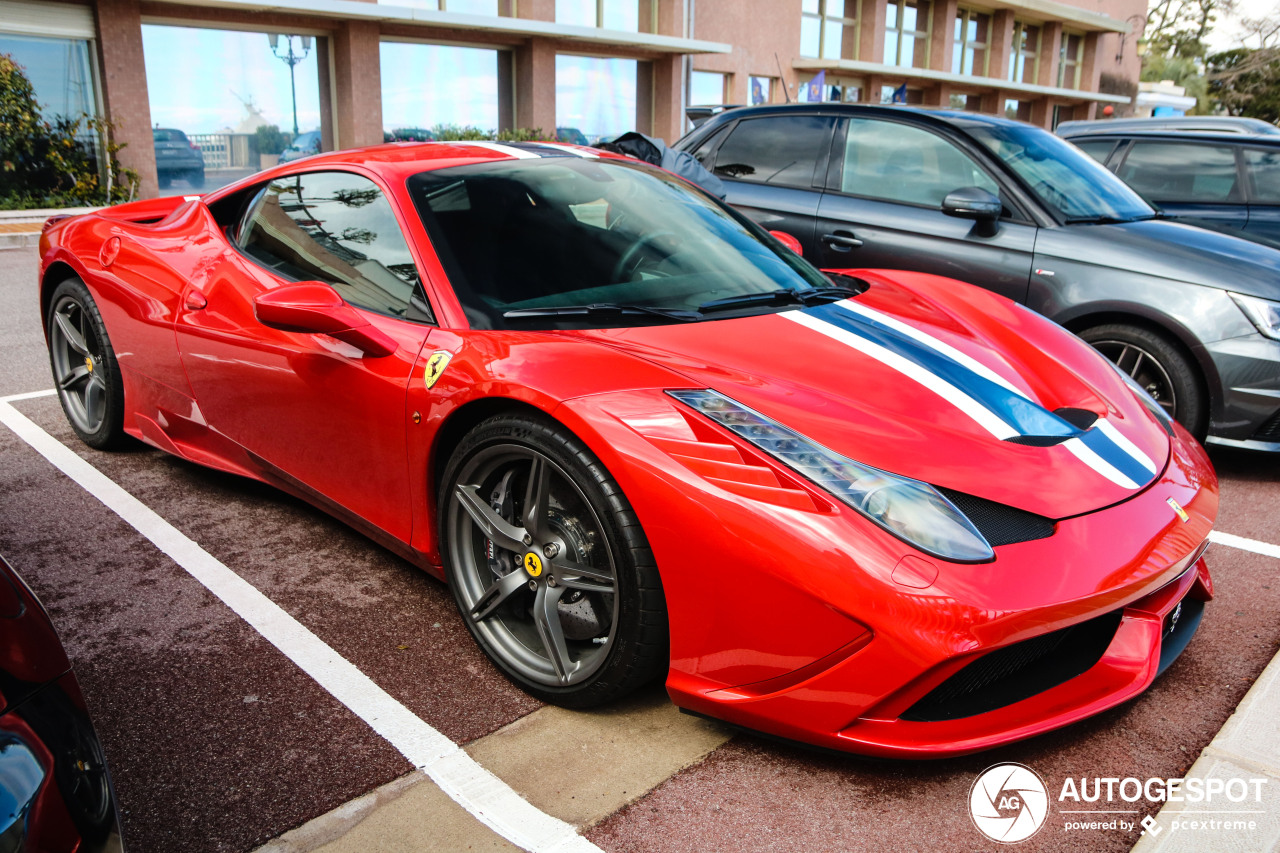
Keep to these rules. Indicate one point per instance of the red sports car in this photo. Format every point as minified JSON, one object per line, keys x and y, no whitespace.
{"x":883,"y":512}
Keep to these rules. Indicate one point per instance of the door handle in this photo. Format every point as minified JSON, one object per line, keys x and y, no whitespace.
{"x":841,"y":241}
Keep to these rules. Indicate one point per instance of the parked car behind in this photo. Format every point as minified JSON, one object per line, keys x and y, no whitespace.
{"x":1173,"y":124}
{"x":303,"y":145}
{"x":1191,"y":314}
{"x":1225,"y":181}
{"x":177,"y":158}
{"x":55,"y":791}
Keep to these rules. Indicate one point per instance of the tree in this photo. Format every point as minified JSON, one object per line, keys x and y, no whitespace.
{"x":1246,"y":82}
{"x":1184,"y":72}
{"x":1179,"y":27}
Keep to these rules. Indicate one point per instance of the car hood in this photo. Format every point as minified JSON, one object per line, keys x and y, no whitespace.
{"x":947,"y":384}
{"x":1173,"y":250}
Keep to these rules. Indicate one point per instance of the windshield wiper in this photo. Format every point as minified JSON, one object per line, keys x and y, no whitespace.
{"x":783,"y":296}
{"x":603,"y":309}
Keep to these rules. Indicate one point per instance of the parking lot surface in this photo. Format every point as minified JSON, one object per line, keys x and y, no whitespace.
{"x":262,"y":675}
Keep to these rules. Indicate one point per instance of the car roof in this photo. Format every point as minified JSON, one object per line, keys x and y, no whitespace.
{"x":396,"y":161}
{"x":940,"y":115}
{"x":1183,"y":136}
{"x":1172,"y":124}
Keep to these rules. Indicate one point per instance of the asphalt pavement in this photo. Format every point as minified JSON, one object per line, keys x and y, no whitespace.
{"x":265,"y":678}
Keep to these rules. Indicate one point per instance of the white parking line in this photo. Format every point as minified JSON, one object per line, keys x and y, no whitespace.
{"x":488,"y":798}
{"x":1233,"y":541}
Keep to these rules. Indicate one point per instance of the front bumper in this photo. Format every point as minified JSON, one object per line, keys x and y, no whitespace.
{"x":1248,"y":369}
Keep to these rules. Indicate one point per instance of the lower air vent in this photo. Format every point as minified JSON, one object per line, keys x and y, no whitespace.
{"x":1000,"y":524}
{"x":1269,"y":431}
{"x":1017,"y":672}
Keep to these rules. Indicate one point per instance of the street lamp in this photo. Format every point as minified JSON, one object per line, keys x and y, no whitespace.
{"x":291,"y":59}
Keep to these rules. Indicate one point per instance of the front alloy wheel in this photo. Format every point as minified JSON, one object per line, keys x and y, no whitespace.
{"x":548,"y":565}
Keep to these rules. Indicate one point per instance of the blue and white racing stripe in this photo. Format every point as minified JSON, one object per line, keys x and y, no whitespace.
{"x":990,"y":400}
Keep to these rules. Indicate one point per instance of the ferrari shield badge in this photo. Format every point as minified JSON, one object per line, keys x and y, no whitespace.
{"x":435,"y":366}
{"x":1177,"y":508}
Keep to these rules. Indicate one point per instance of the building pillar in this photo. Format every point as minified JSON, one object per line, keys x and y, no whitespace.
{"x":667,"y":89}
{"x":536,"y":10}
{"x":1050,"y":53}
{"x":357,"y":84}
{"x":943,"y":28}
{"x":325,"y":80}
{"x":1041,"y":112}
{"x":999,"y":46}
{"x":124,"y":88}
{"x":1090,"y":67}
{"x":872,"y":26}
{"x":535,"y":84}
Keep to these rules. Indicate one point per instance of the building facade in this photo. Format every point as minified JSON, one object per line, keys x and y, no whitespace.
{"x":369,"y":68}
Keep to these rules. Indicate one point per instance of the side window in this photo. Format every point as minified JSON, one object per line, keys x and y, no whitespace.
{"x":779,"y":150}
{"x":1098,"y":149}
{"x":900,"y":163}
{"x":1264,"y":166}
{"x":703,"y":151}
{"x":1181,"y":172}
{"x":337,"y":228}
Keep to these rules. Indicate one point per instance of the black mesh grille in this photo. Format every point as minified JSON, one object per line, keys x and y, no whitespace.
{"x":1017,"y":672}
{"x":1269,"y":431}
{"x":1000,"y":524}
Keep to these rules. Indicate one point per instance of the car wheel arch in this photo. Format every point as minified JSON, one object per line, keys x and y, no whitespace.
{"x":55,"y":274}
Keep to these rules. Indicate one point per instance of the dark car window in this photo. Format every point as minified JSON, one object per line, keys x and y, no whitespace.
{"x":1182,"y":172}
{"x":703,"y":151}
{"x":563,"y":231}
{"x":1099,"y":150}
{"x":163,"y":135}
{"x":900,"y":163}
{"x":1264,"y":166}
{"x":777,"y":150}
{"x":337,"y":228}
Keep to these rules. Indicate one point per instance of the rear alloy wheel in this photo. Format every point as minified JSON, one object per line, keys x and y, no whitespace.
{"x":1157,"y":365}
{"x":548,"y":564}
{"x":84,"y":366}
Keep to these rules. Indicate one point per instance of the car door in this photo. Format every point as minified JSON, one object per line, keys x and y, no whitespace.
{"x":773,"y":168}
{"x":883,"y":208}
{"x":313,"y":411}
{"x":1196,"y":182}
{"x":1262,"y":166}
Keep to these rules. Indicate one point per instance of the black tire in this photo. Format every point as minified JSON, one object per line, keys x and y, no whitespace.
{"x":85,"y":370}
{"x":1158,"y":365}
{"x":592,"y":575}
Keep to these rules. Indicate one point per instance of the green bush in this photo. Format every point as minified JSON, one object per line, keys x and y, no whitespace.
{"x":268,"y":139}
{"x":465,"y":133}
{"x":54,"y":163}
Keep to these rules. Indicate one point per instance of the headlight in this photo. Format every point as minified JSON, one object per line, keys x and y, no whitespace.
{"x":1145,"y":398}
{"x":909,"y":509}
{"x":1264,"y":313}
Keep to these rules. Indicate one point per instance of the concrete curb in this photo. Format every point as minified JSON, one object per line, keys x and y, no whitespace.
{"x":1248,"y":748}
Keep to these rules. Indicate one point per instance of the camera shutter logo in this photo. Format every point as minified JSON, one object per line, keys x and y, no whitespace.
{"x":1008,"y":803}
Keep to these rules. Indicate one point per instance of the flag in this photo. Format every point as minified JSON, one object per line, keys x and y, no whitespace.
{"x":757,"y":91}
{"x":900,"y":94}
{"x":813,"y":93}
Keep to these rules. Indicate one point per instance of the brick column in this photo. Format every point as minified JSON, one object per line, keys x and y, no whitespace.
{"x":124,"y":88}
{"x":535,"y":85}
{"x":357,"y":84}
{"x":1000,"y":45}
{"x":1050,"y":53}
{"x":943,"y":30}
{"x":666,"y":91}
{"x":873,"y":21}
{"x":536,"y":10}
{"x":1090,"y":66}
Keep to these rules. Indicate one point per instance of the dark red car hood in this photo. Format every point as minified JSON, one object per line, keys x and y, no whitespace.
{"x":933,"y":380}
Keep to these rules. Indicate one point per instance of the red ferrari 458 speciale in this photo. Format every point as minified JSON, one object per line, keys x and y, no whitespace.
{"x":883,"y":512}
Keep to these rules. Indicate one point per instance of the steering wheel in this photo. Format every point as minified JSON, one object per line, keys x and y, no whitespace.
{"x":630,"y":260}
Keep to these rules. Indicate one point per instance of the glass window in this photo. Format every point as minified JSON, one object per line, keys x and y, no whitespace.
{"x":338,"y":228}
{"x":706,"y":87}
{"x":1264,"y":166}
{"x":906,"y":35}
{"x":577,"y":232}
{"x":597,"y":96}
{"x":610,"y":15}
{"x":59,"y":72}
{"x":900,"y":163}
{"x":1070,"y":60}
{"x":1178,"y":172}
{"x":782,"y":150}
{"x":1024,"y":54}
{"x":1018,"y":110}
{"x":1099,"y":150}
{"x":829,"y":29}
{"x":464,"y":89}
{"x":969,"y":54}
{"x":761,"y":90}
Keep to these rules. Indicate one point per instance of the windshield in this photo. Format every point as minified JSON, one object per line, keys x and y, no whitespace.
{"x":1067,"y":181}
{"x":558,"y":232}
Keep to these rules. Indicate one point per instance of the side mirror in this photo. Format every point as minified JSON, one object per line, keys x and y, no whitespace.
{"x":790,"y":242}
{"x":972,"y":203}
{"x":312,"y":307}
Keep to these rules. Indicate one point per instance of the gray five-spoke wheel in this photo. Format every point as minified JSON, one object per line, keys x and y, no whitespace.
{"x":1143,"y":368}
{"x":78,"y":359}
{"x":1160,"y":364}
{"x":534,"y":571}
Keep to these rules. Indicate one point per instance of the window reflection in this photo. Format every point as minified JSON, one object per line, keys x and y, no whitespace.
{"x":596,"y":96}
{"x":59,"y":73}
{"x":424,"y":85}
